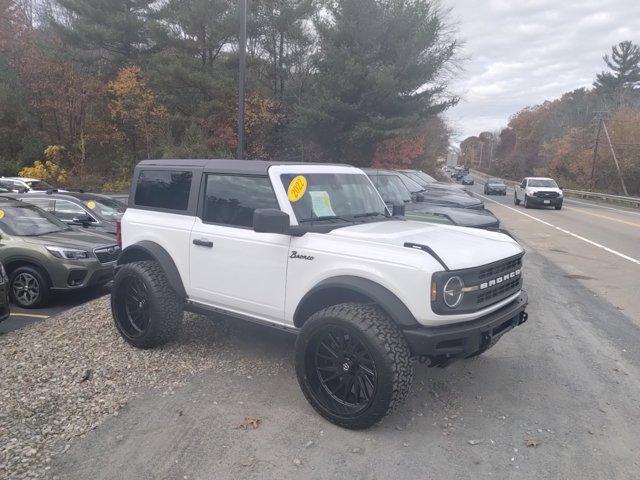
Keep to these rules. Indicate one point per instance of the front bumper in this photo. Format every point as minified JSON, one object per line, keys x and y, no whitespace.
{"x":548,"y":202}
{"x":449,"y":342}
{"x":500,"y":191}
{"x":77,"y":275}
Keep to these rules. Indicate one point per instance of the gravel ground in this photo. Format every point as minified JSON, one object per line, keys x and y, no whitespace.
{"x":62,"y":378}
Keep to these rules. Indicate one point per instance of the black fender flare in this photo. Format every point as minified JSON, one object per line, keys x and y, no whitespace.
{"x":362,"y":287}
{"x":148,"y":250}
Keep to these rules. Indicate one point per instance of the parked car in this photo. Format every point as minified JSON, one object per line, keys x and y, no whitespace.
{"x":438,"y":196}
{"x":5,"y":311}
{"x":495,"y":186}
{"x":427,"y":181}
{"x":87,"y":210}
{"x":26,"y":185}
{"x":467,"y":180}
{"x":42,"y":254}
{"x":393,"y":191}
{"x":538,"y":192}
{"x":311,"y":248}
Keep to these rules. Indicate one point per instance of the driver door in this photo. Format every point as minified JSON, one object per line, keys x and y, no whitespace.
{"x":232,"y":267}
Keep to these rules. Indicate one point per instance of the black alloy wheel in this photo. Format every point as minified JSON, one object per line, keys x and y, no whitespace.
{"x":341,"y":370}
{"x":136,"y":307}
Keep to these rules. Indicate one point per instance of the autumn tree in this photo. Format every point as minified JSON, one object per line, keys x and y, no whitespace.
{"x":135,"y":110}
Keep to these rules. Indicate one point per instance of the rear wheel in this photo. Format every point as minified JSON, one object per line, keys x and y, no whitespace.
{"x":353,"y":365}
{"x":146,"y":310}
{"x":29,"y":287}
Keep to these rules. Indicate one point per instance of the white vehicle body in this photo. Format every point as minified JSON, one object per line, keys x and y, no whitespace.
{"x":538,"y":191}
{"x":24,"y":183}
{"x":265,"y":276}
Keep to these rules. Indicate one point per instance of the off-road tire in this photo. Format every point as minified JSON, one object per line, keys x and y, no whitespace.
{"x":515,"y":200}
{"x":165,"y":306}
{"x":44,"y":286}
{"x":386,"y":345}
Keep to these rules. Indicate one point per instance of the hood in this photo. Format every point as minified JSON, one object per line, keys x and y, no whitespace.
{"x":463,"y":217}
{"x":458,"y":247}
{"x":447,"y":197}
{"x":73,"y":238}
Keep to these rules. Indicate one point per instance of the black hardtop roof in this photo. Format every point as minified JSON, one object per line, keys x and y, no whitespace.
{"x":257,"y":167}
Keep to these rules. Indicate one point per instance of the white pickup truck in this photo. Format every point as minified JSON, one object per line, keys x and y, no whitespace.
{"x":312,"y":248}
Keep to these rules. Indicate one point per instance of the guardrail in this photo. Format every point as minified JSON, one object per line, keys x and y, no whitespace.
{"x":633,"y":202}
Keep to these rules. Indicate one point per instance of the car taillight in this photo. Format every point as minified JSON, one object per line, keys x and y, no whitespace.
{"x":119,"y":233}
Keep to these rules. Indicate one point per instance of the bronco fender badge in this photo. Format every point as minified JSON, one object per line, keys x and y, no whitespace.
{"x":295,"y":254}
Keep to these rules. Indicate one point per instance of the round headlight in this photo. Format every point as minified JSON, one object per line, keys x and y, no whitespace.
{"x":452,"y":292}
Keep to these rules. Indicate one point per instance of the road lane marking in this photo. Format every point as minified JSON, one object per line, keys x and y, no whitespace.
{"x":603,"y":216}
{"x":579,"y":237}
{"x":31,"y":315}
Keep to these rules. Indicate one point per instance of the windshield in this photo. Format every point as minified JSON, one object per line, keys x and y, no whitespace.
{"x":391,"y":188}
{"x":330,"y":196}
{"x":28,"y":220}
{"x":411,"y":185}
{"x":417,"y":179}
{"x":39,"y":185}
{"x":106,"y":208}
{"x":542,"y":182}
{"x":425,"y":177}
{"x":495,"y":181}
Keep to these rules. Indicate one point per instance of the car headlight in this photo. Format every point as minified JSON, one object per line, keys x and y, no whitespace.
{"x":452,"y":292}
{"x":67,"y":253}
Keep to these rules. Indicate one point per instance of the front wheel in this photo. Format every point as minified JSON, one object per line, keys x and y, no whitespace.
{"x":146,"y":310}
{"x":516,"y":201}
{"x":29,"y":287}
{"x":558,"y":206}
{"x":526,"y":202}
{"x":353,"y":365}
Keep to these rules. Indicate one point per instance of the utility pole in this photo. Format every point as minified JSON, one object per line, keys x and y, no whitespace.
{"x":242,"y":67}
{"x":599,"y":119}
{"x":615,"y":159}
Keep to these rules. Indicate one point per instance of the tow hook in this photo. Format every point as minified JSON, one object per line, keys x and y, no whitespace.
{"x":524,"y":316}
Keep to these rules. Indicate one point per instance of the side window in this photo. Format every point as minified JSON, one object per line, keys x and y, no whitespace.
{"x":43,"y":203}
{"x":231,"y":199}
{"x":67,"y":211}
{"x":163,"y":189}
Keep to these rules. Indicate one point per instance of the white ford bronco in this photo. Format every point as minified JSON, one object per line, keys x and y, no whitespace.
{"x":312,"y":248}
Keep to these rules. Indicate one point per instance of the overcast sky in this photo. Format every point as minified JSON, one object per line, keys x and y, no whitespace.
{"x":522,"y":52}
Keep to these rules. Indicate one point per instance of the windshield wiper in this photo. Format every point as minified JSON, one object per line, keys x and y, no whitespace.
{"x":369,"y":214}
{"x":326,"y":217}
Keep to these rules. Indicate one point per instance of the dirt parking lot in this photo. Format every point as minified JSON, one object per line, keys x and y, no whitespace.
{"x":556,"y":398}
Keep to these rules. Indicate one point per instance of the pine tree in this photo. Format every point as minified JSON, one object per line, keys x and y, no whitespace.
{"x":379,"y":73}
{"x":624,"y":76}
{"x":107,"y":34}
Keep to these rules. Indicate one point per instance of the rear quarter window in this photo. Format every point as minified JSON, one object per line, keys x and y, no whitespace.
{"x":166,"y":189}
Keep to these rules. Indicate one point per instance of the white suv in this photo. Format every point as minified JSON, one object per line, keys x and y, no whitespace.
{"x":539,"y":192}
{"x":312,"y":248}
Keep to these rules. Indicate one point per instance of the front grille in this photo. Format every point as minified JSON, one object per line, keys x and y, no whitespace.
{"x":546,"y":194}
{"x":107,"y":254}
{"x":495,"y":270}
{"x":487,"y":285}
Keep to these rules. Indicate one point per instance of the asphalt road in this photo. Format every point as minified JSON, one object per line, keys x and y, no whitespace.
{"x":597,"y":245}
{"x":557,"y":398}
{"x":21,"y":317}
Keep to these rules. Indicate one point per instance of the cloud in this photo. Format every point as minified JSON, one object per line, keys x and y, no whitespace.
{"x":524,"y":52}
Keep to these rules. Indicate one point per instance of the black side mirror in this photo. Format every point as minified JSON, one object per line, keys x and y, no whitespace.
{"x":84,"y":220}
{"x":419,"y":197}
{"x":398,"y":210}
{"x":270,"y":220}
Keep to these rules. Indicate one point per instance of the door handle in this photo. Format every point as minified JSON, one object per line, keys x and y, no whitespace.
{"x":203,"y":243}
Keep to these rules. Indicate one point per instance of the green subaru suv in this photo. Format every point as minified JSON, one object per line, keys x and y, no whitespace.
{"x":41,"y":254}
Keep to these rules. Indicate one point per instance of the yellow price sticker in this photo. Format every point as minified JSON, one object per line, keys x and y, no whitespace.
{"x":296,"y":189}
{"x":1,"y":214}
{"x":91,"y":204}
